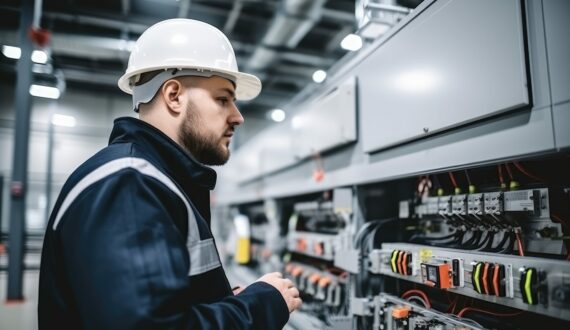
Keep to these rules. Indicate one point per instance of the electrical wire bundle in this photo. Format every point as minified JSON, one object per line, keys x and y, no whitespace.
{"x":367,"y":238}
{"x":477,"y":241}
{"x":480,"y":233}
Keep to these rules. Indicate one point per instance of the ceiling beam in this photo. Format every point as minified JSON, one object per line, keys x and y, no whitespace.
{"x":233,"y":17}
{"x":125,"y":7}
{"x":338,"y":15}
{"x":306,"y":58}
{"x":184,"y":8}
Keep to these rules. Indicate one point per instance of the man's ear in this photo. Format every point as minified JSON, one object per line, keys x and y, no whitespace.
{"x":173,"y":94}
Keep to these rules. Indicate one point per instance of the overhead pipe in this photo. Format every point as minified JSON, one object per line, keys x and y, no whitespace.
{"x":293,"y":21}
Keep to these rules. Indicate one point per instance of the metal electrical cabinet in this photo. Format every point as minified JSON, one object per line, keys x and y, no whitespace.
{"x":456,"y":62}
{"x":556,"y":29}
{"x":450,"y":132}
{"x":327,"y":122}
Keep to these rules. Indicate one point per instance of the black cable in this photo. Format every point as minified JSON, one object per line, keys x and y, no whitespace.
{"x":510,"y":244}
{"x":424,"y":238}
{"x":364,"y":240}
{"x":501,"y":244}
{"x":455,"y":243}
{"x":490,"y":242}
{"x":485,"y":241}
{"x":473,"y":245}
{"x":476,"y":236}
{"x":449,"y":243}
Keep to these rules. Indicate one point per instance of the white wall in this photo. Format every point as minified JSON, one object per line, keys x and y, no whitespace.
{"x":94,"y":112}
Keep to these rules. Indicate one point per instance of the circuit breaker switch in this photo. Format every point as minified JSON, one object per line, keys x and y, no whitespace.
{"x":400,"y":312}
{"x":499,"y":280}
{"x":323,"y":282}
{"x":301,"y":245}
{"x":297,"y":271}
{"x":529,"y":285}
{"x":408,"y":263}
{"x":437,"y":275}
{"x":485,"y":278}
{"x":400,"y":262}
{"x":393,"y":260}
{"x":314,"y":279}
{"x":476,"y":277}
{"x":456,"y":268}
{"x":319,"y":248}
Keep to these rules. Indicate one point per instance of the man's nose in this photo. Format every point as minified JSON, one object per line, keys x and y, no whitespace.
{"x":236,"y":118}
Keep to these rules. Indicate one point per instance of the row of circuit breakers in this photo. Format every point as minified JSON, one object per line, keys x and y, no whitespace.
{"x":486,"y":278}
{"x":527,"y":283}
{"x":323,"y":253}
{"x":468,"y":209}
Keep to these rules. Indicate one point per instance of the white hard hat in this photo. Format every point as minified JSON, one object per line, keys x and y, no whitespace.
{"x":181,"y":44}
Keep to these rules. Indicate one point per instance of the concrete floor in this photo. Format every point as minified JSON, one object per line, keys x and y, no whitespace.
{"x":20,"y":316}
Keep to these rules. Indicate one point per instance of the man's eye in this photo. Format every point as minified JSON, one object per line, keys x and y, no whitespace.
{"x":223,"y":101}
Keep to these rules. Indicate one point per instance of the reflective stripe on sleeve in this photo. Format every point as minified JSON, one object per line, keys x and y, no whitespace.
{"x":203,"y":254}
{"x":203,"y":257}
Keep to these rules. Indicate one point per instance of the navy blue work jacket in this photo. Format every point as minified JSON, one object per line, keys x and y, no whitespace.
{"x":128,"y":245}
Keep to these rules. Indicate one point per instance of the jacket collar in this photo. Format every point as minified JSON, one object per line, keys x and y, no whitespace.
{"x":179,"y":164}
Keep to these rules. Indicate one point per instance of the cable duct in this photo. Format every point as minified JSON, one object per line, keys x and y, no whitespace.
{"x":288,"y":27}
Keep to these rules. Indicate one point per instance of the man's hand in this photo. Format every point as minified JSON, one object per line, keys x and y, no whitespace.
{"x":285,"y":287}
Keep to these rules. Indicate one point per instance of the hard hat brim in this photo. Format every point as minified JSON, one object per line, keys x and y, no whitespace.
{"x":248,"y":86}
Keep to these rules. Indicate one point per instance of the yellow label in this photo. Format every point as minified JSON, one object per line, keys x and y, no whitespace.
{"x":425,"y":255}
{"x":242,"y":251}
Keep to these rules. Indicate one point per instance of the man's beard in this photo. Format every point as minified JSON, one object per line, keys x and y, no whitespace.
{"x":207,"y":149}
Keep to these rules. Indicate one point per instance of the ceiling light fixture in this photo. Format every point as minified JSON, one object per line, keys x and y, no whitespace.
{"x":45,"y":91}
{"x":277,"y":115}
{"x":319,"y":76}
{"x":38,"y":56}
{"x":351,"y":42}
{"x":11,"y":52}
{"x":63,"y":120}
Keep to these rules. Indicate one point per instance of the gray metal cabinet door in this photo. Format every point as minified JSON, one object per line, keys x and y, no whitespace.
{"x":557,"y":27}
{"x":456,"y":62}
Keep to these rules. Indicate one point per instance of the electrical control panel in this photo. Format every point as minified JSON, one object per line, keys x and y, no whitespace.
{"x":394,"y":313}
{"x":318,"y":231}
{"x":493,"y":215}
{"x":468,"y":228}
{"x":533,"y":284}
{"x":315,"y":245}
{"x":320,"y":286}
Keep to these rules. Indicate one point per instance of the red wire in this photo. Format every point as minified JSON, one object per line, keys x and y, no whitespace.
{"x":467,"y":309}
{"x":509,"y":172}
{"x":519,"y":243}
{"x":452,"y":177}
{"x":501,"y":178}
{"x":452,"y":306}
{"x":527,"y":173}
{"x":420,"y":293}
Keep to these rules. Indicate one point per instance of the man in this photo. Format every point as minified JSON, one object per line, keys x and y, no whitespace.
{"x":128,"y":245}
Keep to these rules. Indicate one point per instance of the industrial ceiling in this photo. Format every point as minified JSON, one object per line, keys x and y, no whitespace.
{"x":283,"y":42}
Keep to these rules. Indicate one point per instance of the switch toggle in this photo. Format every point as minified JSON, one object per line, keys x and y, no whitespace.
{"x":529,"y":285}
